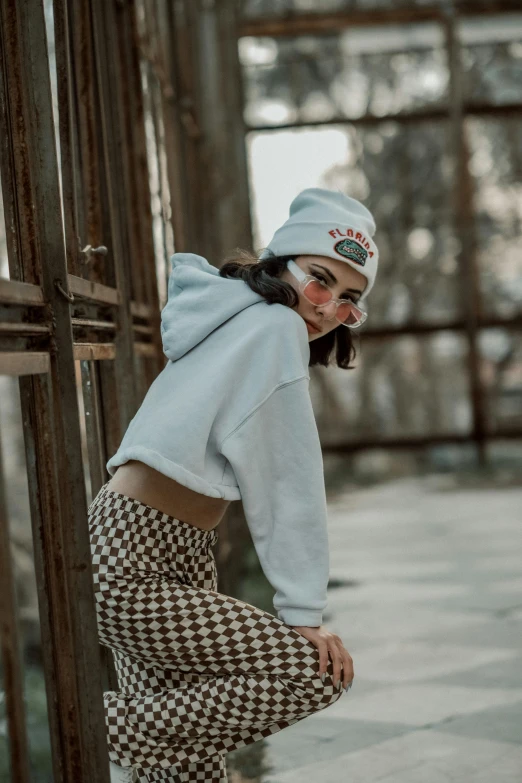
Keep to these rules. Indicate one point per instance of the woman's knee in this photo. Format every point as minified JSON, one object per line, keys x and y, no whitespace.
{"x":316,"y":693}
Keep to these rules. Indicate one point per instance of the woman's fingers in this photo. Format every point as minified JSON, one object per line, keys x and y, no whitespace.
{"x":330,"y":645}
{"x":347,"y":666}
{"x":341,"y":660}
{"x":323,"y":659}
{"x":337,"y":660}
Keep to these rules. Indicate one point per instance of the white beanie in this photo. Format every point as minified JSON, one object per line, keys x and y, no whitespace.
{"x":329,"y":223}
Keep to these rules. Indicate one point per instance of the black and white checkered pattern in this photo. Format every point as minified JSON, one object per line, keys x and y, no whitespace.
{"x":200,"y":673}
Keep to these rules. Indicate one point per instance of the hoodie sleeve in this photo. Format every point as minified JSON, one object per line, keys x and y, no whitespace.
{"x":276,"y":456}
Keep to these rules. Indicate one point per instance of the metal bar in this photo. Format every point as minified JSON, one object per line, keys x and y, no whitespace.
{"x":142,"y":224}
{"x":83,"y":204}
{"x":24,"y":363}
{"x":94,"y":226}
{"x":15,"y":292}
{"x":73,"y":642}
{"x":316,"y":23}
{"x":175,"y":143}
{"x":141,"y":310}
{"x":140,"y":166}
{"x":415,"y":442}
{"x":133,"y":195}
{"x":235,"y":214}
{"x":141,"y":329}
{"x":12,"y":654}
{"x":155,"y":91}
{"x":16,"y":186}
{"x":221,"y":123}
{"x":93,"y":351}
{"x":464,"y":230}
{"x":391,"y":331}
{"x":7,"y":164}
{"x":17,"y":328}
{"x":110,"y":325}
{"x":213,"y":124}
{"x":403,"y":118}
{"x":108,"y":79}
{"x":184,"y":70}
{"x":23,"y":329}
{"x":50,"y":569}
{"x":20,"y":329}
{"x":95,"y":291}
{"x":145,"y":349}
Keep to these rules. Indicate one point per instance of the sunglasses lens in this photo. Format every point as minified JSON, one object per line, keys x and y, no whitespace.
{"x":349,"y":314}
{"x":317,"y":293}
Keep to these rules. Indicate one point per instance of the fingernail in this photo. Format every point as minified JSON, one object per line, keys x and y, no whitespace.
{"x":348,"y":687}
{"x":323,"y":676}
{"x":338,"y":686}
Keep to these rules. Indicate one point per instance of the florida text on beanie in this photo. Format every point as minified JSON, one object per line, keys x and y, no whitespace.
{"x":329,"y":223}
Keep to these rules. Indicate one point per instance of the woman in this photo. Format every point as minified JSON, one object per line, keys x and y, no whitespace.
{"x":229,"y":417}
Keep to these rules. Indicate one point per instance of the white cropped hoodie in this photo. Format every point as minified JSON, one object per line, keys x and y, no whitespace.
{"x":230,"y":416}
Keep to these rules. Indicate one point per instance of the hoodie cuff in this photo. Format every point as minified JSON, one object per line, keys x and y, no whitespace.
{"x":309,"y":617}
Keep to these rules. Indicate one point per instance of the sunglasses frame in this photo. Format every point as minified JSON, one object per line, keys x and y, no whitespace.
{"x":304,"y":279}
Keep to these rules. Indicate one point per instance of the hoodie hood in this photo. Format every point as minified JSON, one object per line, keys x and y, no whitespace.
{"x":199,"y":301}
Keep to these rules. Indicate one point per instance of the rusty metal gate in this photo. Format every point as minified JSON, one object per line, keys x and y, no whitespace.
{"x":89,"y":227}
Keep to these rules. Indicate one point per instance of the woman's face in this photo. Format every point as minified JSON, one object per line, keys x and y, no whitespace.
{"x":340,"y":277}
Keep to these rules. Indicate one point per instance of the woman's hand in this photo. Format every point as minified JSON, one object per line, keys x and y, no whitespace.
{"x":329,"y":643}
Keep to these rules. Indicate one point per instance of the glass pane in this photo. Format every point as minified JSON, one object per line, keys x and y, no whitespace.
{"x":374,"y":70}
{"x":492,"y":59}
{"x":83,"y":429}
{"x":404,"y":386}
{"x":158,"y":180}
{"x":496,"y":167}
{"x":501,"y":373}
{"x":20,"y":530}
{"x":507,"y":453}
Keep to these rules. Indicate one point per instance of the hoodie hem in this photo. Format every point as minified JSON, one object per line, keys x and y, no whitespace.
{"x":173,"y":471}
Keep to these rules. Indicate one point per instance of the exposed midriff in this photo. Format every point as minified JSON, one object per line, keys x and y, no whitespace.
{"x":141,"y":482}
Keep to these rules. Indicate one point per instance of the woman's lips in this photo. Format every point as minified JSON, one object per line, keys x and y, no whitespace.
{"x":311,"y":327}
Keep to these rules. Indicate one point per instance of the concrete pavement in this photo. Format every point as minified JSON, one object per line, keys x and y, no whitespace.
{"x":434,"y":626}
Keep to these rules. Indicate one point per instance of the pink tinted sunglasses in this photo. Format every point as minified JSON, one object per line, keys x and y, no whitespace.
{"x":318,"y":293}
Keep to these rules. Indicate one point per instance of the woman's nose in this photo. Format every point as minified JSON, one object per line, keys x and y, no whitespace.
{"x":328,"y":310}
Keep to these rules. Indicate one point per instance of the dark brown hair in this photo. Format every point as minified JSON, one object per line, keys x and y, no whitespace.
{"x":263,"y":278}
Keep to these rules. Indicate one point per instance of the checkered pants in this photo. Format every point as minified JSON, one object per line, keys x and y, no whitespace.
{"x":199,"y":673}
